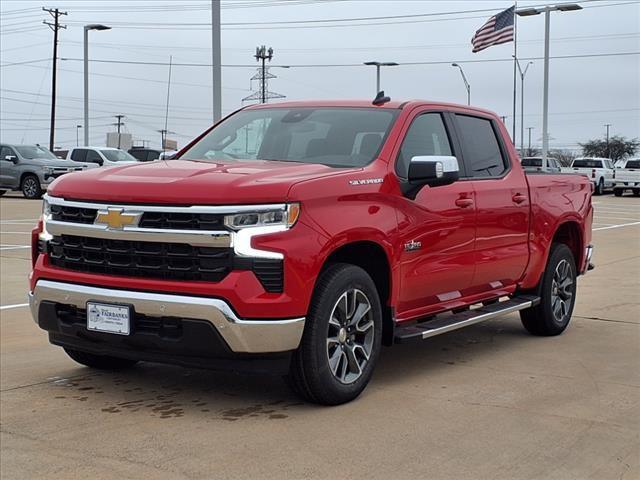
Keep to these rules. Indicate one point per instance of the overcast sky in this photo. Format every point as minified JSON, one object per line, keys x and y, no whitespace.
{"x":586,"y":91}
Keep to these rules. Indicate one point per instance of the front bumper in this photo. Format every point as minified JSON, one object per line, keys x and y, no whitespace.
{"x":240,"y":335}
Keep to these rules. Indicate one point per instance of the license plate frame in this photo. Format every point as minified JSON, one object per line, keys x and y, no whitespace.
{"x":110,"y":318}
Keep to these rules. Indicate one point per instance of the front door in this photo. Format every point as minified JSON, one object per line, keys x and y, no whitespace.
{"x":437,"y":227}
{"x":8,"y":170}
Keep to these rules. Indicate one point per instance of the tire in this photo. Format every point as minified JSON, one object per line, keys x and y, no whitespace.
{"x":331,"y":366}
{"x":30,"y":187}
{"x":101,"y":362}
{"x":618,"y":192}
{"x":636,"y":192}
{"x":2,"y":192}
{"x":599,"y":187}
{"x":543,"y":319}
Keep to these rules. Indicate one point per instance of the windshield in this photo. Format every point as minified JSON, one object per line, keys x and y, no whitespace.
{"x":118,"y":156}
{"x":587,"y":163}
{"x":337,"y":137}
{"x":531,"y":162}
{"x":35,"y":151}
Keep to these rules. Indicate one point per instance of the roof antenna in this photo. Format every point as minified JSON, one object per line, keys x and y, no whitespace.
{"x":381,"y":99}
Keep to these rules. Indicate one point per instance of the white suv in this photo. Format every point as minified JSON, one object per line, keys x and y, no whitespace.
{"x":103,"y":156}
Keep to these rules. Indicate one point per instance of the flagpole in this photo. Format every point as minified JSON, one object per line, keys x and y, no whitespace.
{"x":515,"y":60}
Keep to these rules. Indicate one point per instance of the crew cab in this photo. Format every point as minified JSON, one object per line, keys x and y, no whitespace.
{"x":301,"y":237}
{"x":599,"y":170}
{"x":101,"y":156}
{"x":535,"y":164}
{"x":627,"y":177}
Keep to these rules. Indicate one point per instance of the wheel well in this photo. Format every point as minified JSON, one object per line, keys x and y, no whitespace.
{"x":569,"y":234}
{"x":25,"y":175}
{"x":372,"y":258}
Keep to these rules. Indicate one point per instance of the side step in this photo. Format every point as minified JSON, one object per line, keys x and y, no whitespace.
{"x":453,"y":321}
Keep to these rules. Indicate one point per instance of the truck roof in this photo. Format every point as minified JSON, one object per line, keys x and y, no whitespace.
{"x":360,"y":103}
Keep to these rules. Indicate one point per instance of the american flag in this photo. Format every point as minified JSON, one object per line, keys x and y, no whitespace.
{"x":497,"y":30}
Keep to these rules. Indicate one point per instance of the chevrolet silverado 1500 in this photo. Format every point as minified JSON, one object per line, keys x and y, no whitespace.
{"x":303,"y":236}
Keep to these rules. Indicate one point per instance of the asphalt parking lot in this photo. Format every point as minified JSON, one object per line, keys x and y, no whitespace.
{"x":486,"y":402}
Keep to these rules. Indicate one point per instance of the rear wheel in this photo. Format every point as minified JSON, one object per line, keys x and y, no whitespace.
{"x":618,"y":192}
{"x":2,"y":192}
{"x":558,"y":293}
{"x":342,"y":337}
{"x":599,"y":187}
{"x":101,"y":362}
{"x":31,"y":187}
{"x":636,"y":192}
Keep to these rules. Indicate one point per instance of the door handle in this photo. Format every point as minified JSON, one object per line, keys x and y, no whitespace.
{"x":464,"y":202}
{"x":519,"y":198}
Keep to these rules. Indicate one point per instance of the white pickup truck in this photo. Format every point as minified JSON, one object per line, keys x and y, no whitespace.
{"x":599,"y":170}
{"x":627,"y":177}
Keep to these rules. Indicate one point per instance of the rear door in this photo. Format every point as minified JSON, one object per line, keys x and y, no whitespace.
{"x":502,"y":203}
{"x":9,"y":176}
{"x":437,"y":227}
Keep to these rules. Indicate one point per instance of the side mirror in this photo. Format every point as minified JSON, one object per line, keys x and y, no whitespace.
{"x":433,"y":170}
{"x":11,"y":158}
{"x":99,"y":161}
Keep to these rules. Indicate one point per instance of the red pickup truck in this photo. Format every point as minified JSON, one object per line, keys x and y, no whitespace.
{"x":303,"y":236}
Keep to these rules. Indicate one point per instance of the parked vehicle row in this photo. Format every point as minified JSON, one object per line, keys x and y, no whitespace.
{"x":31,"y":168}
{"x":599,"y":170}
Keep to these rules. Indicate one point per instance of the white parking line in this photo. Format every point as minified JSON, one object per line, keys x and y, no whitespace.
{"x":14,"y":233}
{"x":21,"y":220}
{"x":17,"y":305}
{"x":14,"y":247}
{"x":616,"y":226}
{"x":606,"y":217}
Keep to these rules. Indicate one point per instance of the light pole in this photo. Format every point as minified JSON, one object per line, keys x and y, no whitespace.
{"x":607,"y":125}
{"x":78,"y":127}
{"x":92,"y":26}
{"x":545,"y":97}
{"x":529,"y":148}
{"x":466,"y":84}
{"x":522,"y":75}
{"x":378,"y":65}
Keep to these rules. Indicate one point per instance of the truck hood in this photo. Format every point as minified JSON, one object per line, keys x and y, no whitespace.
{"x":189,"y":182}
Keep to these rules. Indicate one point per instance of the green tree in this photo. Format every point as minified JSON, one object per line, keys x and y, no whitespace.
{"x":618,"y":147}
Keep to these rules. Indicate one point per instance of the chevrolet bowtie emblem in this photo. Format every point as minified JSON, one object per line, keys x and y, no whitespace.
{"x":116,"y":218}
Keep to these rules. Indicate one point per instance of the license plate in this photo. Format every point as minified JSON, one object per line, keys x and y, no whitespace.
{"x":107,"y":318}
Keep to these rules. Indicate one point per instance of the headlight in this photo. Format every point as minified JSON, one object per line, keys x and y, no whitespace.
{"x":44,"y":235}
{"x":285,"y":217}
{"x":46,"y":208}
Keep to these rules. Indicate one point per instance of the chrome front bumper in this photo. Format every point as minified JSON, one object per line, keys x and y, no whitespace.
{"x":242,"y":336}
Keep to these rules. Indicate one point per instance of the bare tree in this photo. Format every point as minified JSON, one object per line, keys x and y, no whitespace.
{"x":618,"y":147}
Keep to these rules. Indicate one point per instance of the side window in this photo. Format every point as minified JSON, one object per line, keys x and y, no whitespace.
{"x":79,"y":155}
{"x":4,"y":151}
{"x":482,"y":154}
{"x":426,"y":136}
{"x":93,"y":156}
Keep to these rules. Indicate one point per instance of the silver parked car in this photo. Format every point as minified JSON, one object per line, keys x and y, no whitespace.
{"x":31,"y":168}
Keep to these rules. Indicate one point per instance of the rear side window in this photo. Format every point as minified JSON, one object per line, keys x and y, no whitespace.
{"x":426,"y":136}
{"x":633,"y":164}
{"x":79,"y":155}
{"x":531,"y":162}
{"x":480,"y":147}
{"x":587,"y":163}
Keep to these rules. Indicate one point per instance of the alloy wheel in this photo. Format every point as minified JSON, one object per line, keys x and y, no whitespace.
{"x":562,"y":291}
{"x":350,"y":336}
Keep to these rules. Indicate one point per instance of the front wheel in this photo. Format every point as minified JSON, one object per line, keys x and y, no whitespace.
{"x":342,"y":337}
{"x":101,"y":362}
{"x":31,"y":187}
{"x":599,"y":187}
{"x":2,"y":192}
{"x":558,"y":295}
{"x":636,"y":192}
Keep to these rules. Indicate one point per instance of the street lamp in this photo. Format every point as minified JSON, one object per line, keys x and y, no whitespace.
{"x":466,"y":84}
{"x":522,"y":75}
{"x":92,"y":26}
{"x":78,"y":127}
{"x":526,"y":12}
{"x":378,"y":65}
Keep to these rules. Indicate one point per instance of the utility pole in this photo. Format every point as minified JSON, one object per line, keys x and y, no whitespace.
{"x":119,"y":124}
{"x":529,"y":128}
{"x":607,"y":125}
{"x":55,"y":26}
{"x":78,"y":127}
{"x":216,"y":61}
{"x":262,"y":55}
